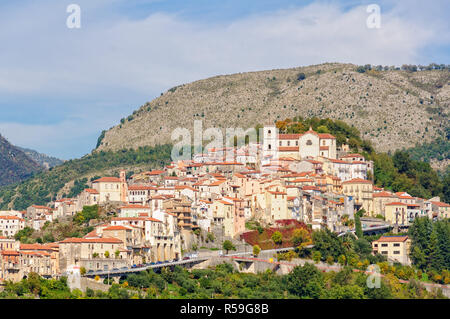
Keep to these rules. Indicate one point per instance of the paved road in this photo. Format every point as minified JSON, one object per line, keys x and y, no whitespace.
{"x":175,"y":263}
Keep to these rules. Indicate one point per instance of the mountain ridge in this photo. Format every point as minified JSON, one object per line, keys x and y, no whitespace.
{"x":393,"y":109}
{"x":15,"y":165}
{"x":42,"y":159}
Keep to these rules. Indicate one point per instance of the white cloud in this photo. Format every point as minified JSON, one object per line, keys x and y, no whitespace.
{"x":152,"y":54}
{"x":105,"y":58}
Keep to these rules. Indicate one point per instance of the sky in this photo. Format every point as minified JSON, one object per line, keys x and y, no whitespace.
{"x":60,"y":87}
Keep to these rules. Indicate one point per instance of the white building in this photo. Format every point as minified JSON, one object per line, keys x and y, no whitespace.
{"x":309,"y":145}
{"x":10,"y":225}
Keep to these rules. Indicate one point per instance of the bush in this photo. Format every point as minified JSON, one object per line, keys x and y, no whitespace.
{"x":277,"y":238}
{"x":256,"y":250}
{"x":330,"y":260}
{"x":317,"y":256}
{"x":301,"y":76}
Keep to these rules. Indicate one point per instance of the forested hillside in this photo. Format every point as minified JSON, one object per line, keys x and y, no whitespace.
{"x":42,"y":159}
{"x":15,"y":165}
{"x":46,"y":186}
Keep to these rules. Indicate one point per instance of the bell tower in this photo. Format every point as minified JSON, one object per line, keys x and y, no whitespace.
{"x":270,"y":143}
{"x":123,"y":186}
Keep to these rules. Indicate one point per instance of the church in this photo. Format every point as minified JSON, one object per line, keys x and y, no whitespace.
{"x":309,"y":145}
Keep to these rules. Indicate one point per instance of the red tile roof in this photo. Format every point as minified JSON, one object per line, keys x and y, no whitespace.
{"x":134,"y":207}
{"x":440,"y":204}
{"x":289,"y":136}
{"x":141,"y":188}
{"x":91,"y":191}
{"x":382,"y":194}
{"x":117,"y":228}
{"x":326,"y":136}
{"x":357,"y":181}
{"x":92,"y":240}
{"x":153,"y":173}
{"x":396,"y":204}
{"x":9,"y":253}
{"x":107,"y":180}
{"x":288,"y":148}
{"x":392,"y":239}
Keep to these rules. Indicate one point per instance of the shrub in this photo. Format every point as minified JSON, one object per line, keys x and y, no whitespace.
{"x":277,"y":238}
{"x":301,"y":76}
{"x":317,"y":256}
{"x":256,"y":250}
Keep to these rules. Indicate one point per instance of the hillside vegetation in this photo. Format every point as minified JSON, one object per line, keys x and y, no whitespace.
{"x":397,"y":172}
{"x":47,"y":186}
{"x":15,"y":165}
{"x":437,"y":153}
{"x":393,"y":109}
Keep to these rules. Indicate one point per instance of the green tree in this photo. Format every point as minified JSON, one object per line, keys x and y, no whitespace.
{"x":277,"y":238}
{"x":305,"y":281}
{"x":317,"y":256}
{"x":327,"y":243}
{"x":300,"y":236}
{"x":358,"y":226}
{"x":256,"y":250}
{"x":228,"y":245}
{"x":342,"y":260}
{"x":24,"y":235}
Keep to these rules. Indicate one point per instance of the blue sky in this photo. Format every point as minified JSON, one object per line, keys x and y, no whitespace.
{"x":60,"y":87}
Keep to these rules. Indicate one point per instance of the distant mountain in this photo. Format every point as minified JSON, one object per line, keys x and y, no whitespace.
{"x":15,"y":165}
{"x":42,"y":159}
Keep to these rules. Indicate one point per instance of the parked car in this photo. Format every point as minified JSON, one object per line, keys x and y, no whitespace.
{"x":90,"y":271}
{"x":134,"y":266}
{"x":124,"y":268}
{"x":186,"y":258}
{"x":115,"y":269}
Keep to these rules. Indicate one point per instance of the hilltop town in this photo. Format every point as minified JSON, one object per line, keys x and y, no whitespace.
{"x":156,"y":216}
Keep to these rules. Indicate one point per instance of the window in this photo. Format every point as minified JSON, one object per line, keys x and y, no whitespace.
{"x":309,"y":142}
{"x":396,"y":245}
{"x":396,"y":252}
{"x":384,"y":245}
